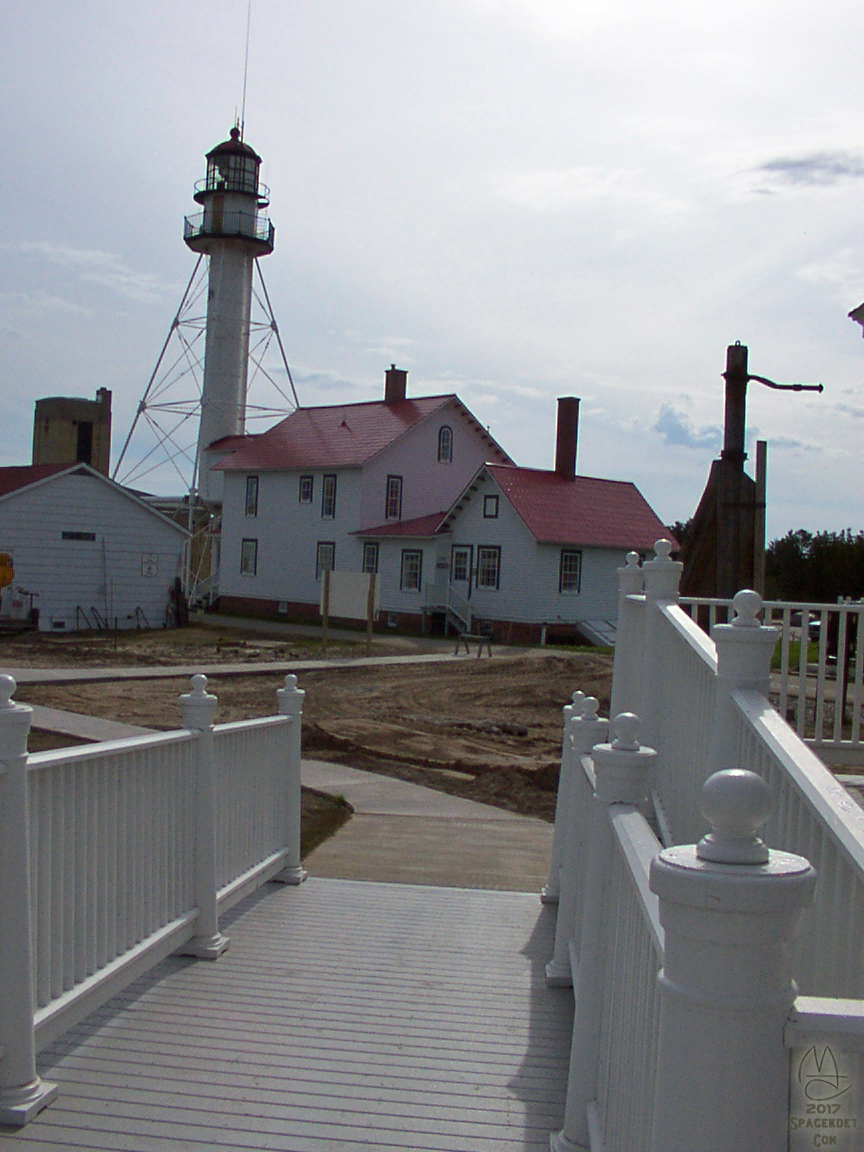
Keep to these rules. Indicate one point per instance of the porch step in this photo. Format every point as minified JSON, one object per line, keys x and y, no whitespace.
{"x":600,"y":632}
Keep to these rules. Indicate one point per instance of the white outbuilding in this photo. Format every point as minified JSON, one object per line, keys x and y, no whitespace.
{"x":86,"y":552}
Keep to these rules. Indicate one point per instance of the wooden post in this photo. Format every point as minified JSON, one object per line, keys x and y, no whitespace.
{"x":325,"y":610}
{"x":730,"y":909}
{"x":370,"y":613}
{"x":22,"y":1094}
{"x":198,"y":708}
{"x":290,"y":700}
{"x":622,"y":769}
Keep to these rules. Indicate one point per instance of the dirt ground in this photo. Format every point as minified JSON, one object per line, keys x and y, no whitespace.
{"x":487,"y":729}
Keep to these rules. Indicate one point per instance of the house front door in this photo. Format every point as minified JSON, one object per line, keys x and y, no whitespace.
{"x":461,"y":563}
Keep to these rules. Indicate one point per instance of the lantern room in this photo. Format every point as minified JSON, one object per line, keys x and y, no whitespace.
{"x":232,"y":167}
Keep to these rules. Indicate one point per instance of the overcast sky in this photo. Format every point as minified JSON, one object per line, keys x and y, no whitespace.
{"x":513,"y":199}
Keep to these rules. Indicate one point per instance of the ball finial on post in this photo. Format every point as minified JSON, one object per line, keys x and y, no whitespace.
{"x":735,"y":803}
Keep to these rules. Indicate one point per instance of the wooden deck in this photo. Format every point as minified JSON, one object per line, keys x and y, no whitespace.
{"x":344,"y":1016}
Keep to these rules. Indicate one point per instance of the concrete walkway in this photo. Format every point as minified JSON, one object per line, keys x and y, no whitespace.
{"x":400,"y":832}
{"x":403,"y":833}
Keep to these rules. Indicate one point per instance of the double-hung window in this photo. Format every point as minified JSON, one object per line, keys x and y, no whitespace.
{"x":570,"y":571}
{"x":393,"y":503}
{"x":411,"y":577}
{"x":328,"y":497}
{"x":325,"y":557}
{"x":251,"y":495}
{"x":249,"y":558}
{"x":306,"y":489}
{"x":370,"y":557}
{"x":488,"y":566}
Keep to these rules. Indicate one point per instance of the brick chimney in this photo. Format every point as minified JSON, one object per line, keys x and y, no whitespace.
{"x":395,"y":384}
{"x":568,"y":437}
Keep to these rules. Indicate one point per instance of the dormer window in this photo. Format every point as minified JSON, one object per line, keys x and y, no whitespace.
{"x":445,"y":444}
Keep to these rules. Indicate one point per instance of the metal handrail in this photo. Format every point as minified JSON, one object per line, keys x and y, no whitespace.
{"x":246,"y":224}
{"x":260,"y":190}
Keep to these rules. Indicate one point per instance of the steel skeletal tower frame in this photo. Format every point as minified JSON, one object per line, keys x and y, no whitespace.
{"x":229,"y":235}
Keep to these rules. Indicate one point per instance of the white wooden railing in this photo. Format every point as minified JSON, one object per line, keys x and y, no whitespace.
{"x":821,"y":692}
{"x":114,"y":855}
{"x":689,"y":1033}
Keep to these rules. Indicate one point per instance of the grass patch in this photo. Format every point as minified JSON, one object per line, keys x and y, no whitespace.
{"x":795,"y":655}
{"x":322,"y":816}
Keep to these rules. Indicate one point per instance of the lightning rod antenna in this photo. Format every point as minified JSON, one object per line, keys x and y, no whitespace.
{"x":245,"y":71}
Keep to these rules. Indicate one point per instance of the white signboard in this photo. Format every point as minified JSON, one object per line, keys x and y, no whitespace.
{"x":349,"y":595}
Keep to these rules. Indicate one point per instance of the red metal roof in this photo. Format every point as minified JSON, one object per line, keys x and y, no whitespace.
{"x":340,"y":435}
{"x":419,"y":526}
{"x":21,"y":475}
{"x":587,"y":511}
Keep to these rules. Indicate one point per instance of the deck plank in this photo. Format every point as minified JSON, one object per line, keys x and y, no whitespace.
{"x":345,"y":1015}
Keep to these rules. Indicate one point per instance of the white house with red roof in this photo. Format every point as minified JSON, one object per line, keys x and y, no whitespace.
{"x":525,"y":553}
{"x":295,"y":497}
{"x":418,"y":492}
{"x":86,"y":552}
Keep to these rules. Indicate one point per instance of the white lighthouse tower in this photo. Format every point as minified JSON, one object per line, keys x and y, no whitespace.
{"x":233,"y":230}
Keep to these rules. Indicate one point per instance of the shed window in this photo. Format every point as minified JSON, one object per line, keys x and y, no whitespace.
{"x":570,"y":571}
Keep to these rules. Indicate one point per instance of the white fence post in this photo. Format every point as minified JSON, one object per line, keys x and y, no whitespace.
{"x":22,"y":1093}
{"x":744,"y":651}
{"x":290,"y":700}
{"x":583,"y":732}
{"x":198,"y":708}
{"x":622,"y":770}
{"x":549,"y":894}
{"x":662,"y":576}
{"x":730,"y":909}
{"x":629,"y":635}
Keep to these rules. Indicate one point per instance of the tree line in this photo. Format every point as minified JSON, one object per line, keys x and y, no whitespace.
{"x":819,"y":567}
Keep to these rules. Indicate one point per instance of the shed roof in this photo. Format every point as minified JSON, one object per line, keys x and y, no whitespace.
{"x":341,"y":435}
{"x":584,"y":510}
{"x":18,"y":477}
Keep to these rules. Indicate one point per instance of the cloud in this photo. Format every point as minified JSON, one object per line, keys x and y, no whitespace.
{"x":815,"y":169}
{"x":851,"y":410}
{"x":104,"y":268}
{"x":555,"y":189}
{"x":676,"y":428}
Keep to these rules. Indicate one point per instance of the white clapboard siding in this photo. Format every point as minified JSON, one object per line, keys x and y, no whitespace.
{"x":131,"y":562}
{"x":344,"y":1015}
{"x":288,"y":531}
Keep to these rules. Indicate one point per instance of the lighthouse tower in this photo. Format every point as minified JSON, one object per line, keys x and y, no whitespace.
{"x":233,"y":230}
